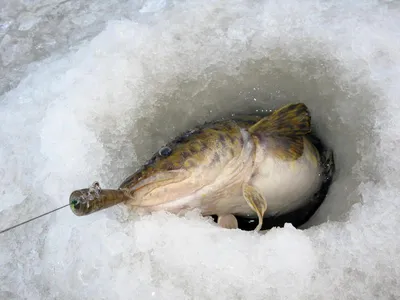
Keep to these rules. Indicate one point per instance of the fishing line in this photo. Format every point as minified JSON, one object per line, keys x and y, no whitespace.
{"x":42,"y":215}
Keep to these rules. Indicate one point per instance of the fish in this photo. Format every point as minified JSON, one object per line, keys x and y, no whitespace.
{"x":299,"y":217}
{"x":245,"y":167}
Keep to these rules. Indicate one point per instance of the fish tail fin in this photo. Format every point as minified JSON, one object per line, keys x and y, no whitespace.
{"x":328,"y":163}
{"x":326,"y":156}
{"x":289,"y":120}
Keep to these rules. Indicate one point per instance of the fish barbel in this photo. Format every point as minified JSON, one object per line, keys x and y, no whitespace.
{"x":249,"y":166}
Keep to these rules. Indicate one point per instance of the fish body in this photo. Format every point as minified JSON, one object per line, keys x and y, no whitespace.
{"x":248,"y":166}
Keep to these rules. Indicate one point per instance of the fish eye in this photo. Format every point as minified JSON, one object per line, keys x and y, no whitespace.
{"x":165,"y":151}
{"x":75,"y":204}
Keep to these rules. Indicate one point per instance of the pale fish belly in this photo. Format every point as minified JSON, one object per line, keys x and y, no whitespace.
{"x":287,"y":185}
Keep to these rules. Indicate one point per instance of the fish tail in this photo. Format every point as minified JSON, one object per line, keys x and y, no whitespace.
{"x":326,"y":157}
{"x":328,"y":164}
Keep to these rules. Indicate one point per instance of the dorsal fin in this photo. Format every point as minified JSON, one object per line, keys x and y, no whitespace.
{"x":289,"y":120}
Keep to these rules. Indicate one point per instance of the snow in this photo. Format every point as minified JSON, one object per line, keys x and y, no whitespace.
{"x":91,"y":89}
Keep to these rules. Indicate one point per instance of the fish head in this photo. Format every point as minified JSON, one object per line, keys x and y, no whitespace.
{"x":183,"y":166}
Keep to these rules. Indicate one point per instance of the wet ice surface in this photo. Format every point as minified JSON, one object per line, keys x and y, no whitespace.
{"x":100,"y":110}
{"x":31,"y":30}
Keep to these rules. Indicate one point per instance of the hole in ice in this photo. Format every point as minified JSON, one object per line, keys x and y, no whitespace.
{"x":257,"y":87}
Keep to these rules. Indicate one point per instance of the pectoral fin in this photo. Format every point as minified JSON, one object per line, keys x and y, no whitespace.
{"x":256,"y":201}
{"x":289,"y":120}
{"x":287,"y":148}
{"x":228,"y":221}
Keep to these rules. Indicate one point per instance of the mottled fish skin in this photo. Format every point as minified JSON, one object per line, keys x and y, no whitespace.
{"x":222,"y":165}
{"x":214,"y":160}
{"x":202,"y":154}
{"x":205,"y":146}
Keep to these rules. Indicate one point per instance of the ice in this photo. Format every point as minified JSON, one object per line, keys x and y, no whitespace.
{"x":39,"y":28}
{"x":11,"y":48}
{"x":153,"y":6}
{"x":27,"y":21}
{"x":103,"y":85}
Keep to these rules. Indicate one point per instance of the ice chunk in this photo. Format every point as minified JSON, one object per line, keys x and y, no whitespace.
{"x":11,"y":48}
{"x":153,"y":6}
{"x":27,"y":21}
